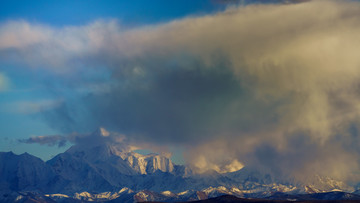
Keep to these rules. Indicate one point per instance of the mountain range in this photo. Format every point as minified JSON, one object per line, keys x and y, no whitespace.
{"x":105,"y":171}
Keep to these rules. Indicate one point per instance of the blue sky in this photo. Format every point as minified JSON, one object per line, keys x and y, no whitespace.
{"x":31,"y":86}
{"x":130,"y":13}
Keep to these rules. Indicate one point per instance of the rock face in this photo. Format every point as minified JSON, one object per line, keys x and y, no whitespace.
{"x":148,"y":164}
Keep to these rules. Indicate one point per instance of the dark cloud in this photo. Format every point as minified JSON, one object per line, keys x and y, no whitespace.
{"x":172,"y":104}
{"x":99,"y":137}
{"x":270,"y":86}
{"x":50,"y":140}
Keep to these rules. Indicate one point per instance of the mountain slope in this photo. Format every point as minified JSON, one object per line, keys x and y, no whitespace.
{"x":27,"y":172}
{"x":99,"y":165}
{"x":105,"y":166}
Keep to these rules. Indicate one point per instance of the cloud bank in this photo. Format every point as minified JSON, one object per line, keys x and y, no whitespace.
{"x":50,"y":140}
{"x":274,"y":87}
{"x":99,"y":137}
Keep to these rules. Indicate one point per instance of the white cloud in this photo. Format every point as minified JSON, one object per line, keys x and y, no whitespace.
{"x":20,"y":34}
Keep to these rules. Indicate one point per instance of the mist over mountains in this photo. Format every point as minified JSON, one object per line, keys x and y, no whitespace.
{"x":105,"y":171}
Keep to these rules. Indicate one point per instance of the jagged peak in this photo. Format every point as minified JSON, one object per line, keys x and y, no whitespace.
{"x":9,"y":153}
{"x":101,"y":132}
{"x":125,"y":190}
{"x":23,"y":156}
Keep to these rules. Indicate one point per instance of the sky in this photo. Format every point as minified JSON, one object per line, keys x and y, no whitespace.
{"x":220,"y":85}
{"x":24,"y":95}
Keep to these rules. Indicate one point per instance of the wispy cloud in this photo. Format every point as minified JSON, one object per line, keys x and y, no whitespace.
{"x":31,"y":107}
{"x":99,"y":137}
{"x":50,"y":140}
{"x":4,"y":82}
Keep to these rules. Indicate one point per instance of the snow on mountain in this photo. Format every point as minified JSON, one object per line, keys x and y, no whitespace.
{"x":104,"y":166}
{"x":102,"y":170}
{"x":101,"y":165}
{"x":117,"y":156}
{"x":26,"y":172}
{"x":325,"y":184}
{"x":127,"y":195}
{"x":81,"y":175}
{"x":147,"y":164}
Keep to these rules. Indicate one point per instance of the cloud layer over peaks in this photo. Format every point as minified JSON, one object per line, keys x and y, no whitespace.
{"x":271,"y":86}
{"x":100,"y":137}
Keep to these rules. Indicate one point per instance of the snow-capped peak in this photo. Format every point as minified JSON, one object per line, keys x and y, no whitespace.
{"x":105,"y":153}
{"x":101,"y":132}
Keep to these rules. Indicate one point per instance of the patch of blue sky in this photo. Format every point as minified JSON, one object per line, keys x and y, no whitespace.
{"x":130,"y":13}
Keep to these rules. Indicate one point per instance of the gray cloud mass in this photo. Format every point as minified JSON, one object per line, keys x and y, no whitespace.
{"x":52,"y":140}
{"x":271,"y":86}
